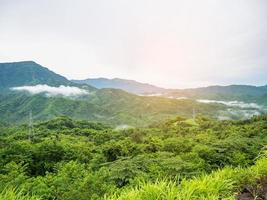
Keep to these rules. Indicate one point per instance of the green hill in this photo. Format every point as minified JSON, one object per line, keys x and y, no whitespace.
{"x":28,"y":73}
{"x":112,"y":106}
{"x":246,"y":93}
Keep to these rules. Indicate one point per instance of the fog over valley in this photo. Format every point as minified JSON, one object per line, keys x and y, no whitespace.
{"x":133,"y":100}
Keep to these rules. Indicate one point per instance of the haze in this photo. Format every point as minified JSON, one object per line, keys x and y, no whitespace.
{"x":175,"y":44}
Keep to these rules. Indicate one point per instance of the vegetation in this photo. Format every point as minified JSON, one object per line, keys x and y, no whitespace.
{"x":28,"y":73}
{"x":222,"y":184}
{"x":177,"y":159}
{"x":111,"y":106}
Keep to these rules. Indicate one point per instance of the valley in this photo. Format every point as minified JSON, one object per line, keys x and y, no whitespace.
{"x":107,"y":143}
{"x":32,"y":87}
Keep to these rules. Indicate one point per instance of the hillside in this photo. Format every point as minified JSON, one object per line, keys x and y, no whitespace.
{"x":28,"y":73}
{"x":179,"y":158}
{"x":112,"y":106}
{"x":246,"y":93}
{"x":44,"y":93}
{"x":27,"y":86}
{"x":227,"y":93}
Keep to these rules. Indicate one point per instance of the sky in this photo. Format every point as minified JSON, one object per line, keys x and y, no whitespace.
{"x":169,"y":43}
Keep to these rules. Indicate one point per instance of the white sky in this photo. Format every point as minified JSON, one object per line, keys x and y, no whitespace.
{"x":170,"y":43}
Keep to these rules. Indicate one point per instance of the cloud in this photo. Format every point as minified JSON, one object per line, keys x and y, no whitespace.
{"x":237,"y":114}
{"x":53,"y":91}
{"x":123,"y":127}
{"x":237,"y":109}
{"x":239,"y":104}
{"x":178,"y":98}
{"x":151,"y":95}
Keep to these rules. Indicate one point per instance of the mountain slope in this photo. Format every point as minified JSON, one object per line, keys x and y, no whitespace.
{"x":231,"y":92}
{"x":28,"y":73}
{"x":127,"y":85}
{"x":227,"y":93}
{"x":111,"y":106}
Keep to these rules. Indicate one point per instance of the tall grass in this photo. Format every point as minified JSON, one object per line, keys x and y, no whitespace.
{"x":13,"y":194}
{"x":223,"y":184}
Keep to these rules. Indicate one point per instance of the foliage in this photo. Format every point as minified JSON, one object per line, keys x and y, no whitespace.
{"x":176,"y":159}
{"x":221,"y":184}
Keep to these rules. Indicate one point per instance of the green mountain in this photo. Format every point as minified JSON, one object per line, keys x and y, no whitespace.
{"x":180,"y":158}
{"x":231,"y":92}
{"x":112,"y":106}
{"x":28,"y":73}
{"x":127,"y":85}
{"x":226,"y":93}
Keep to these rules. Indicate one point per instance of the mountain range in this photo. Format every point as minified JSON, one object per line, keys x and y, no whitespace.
{"x":28,"y":86}
{"x":246,"y":93}
{"x":230,"y":93}
{"x":123,"y":84}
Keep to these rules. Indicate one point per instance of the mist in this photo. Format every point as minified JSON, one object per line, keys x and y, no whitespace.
{"x":239,"y":104}
{"x":67,"y":91}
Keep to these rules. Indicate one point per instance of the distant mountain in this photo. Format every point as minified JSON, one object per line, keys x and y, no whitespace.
{"x":230,"y":93}
{"x":28,"y":73}
{"x":110,"y":106}
{"x":126,"y":85}
{"x":113,"y":106}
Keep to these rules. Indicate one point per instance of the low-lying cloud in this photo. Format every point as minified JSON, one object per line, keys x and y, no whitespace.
{"x":239,"y":104}
{"x":237,"y":114}
{"x":123,"y":127}
{"x":178,"y":98}
{"x":151,"y":95}
{"x":68,"y":91}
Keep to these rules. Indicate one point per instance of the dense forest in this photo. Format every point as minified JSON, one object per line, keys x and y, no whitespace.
{"x":176,"y":159}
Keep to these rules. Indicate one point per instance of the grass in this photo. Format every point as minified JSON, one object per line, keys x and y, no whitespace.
{"x":223,"y":184}
{"x":13,"y":194}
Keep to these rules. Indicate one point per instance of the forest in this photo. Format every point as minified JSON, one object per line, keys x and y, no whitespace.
{"x":180,"y":158}
{"x":133,"y":100}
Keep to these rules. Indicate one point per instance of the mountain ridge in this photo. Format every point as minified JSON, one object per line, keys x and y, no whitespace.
{"x":131,"y":86}
{"x":216,"y":92}
{"x":30,"y":73}
{"x":109,"y":105}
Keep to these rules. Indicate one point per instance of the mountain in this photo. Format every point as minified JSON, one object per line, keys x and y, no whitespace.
{"x":112,"y":106}
{"x":108,"y":105}
{"x":28,"y":73}
{"x":127,"y":85}
{"x":226,"y":93}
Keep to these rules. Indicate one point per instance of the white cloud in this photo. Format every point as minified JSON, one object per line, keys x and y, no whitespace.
{"x":237,"y":109}
{"x":123,"y":127}
{"x":178,"y":98}
{"x":239,"y":104}
{"x":237,"y":114}
{"x":53,"y":91}
{"x":151,"y":95}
